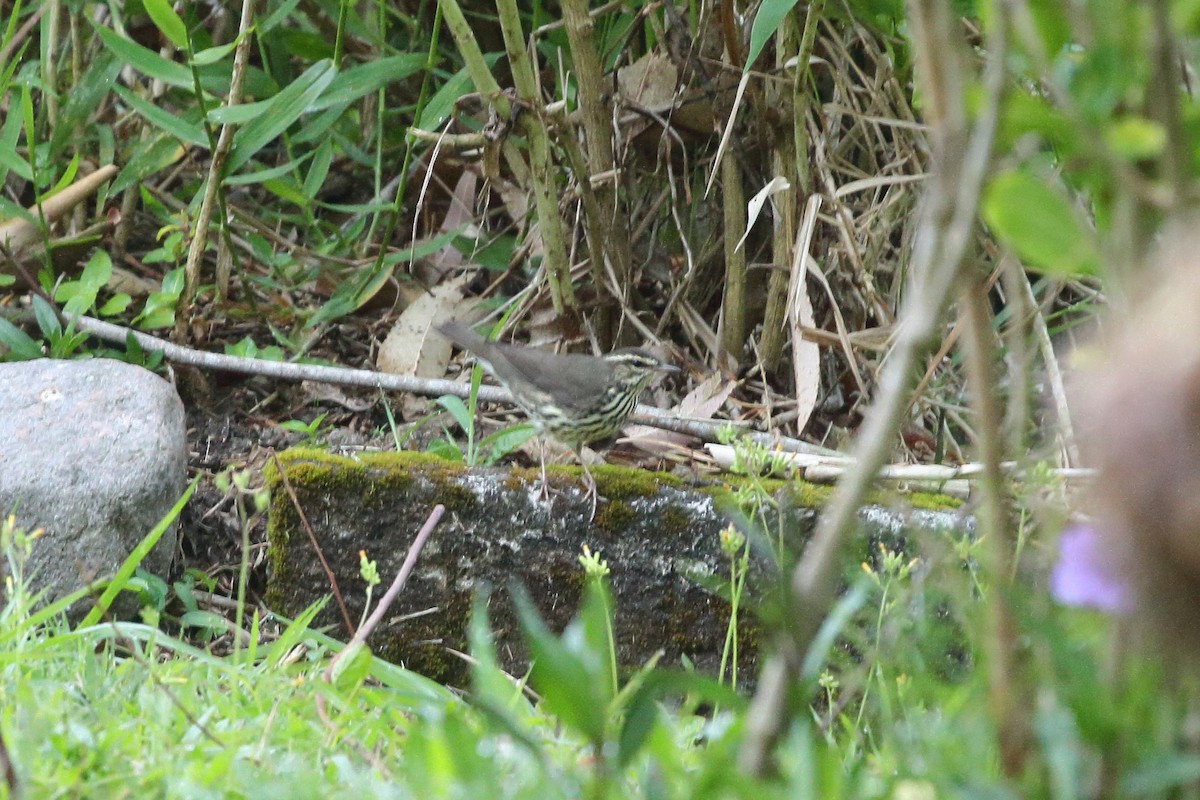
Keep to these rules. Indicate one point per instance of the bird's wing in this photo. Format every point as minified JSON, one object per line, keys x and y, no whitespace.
{"x":571,"y":379}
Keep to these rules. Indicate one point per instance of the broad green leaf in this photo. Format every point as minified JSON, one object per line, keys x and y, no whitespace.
{"x":20,"y":346}
{"x":568,"y":673}
{"x":115,"y":305}
{"x":97,"y":272}
{"x":1026,"y":112}
{"x":149,"y":63}
{"x":1136,"y":138}
{"x":319,"y":169}
{"x":9,"y":210}
{"x":277,"y":16}
{"x":422,"y":248}
{"x":442,"y":102}
{"x":363,"y":79}
{"x":148,"y":158}
{"x":639,"y":719}
{"x":85,"y":98}
{"x":352,"y":667}
{"x":457,"y":409}
{"x":78,"y":296}
{"x":10,"y":134}
{"x":445,"y":450}
{"x":316,"y":127}
{"x":173,"y":124}
{"x":505,"y":440}
{"x":239,"y":114}
{"x":486,"y":678}
{"x":212,"y":55}
{"x":167,"y":21}
{"x":47,"y":320}
{"x":496,"y":254}
{"x":6,"y":74}
{"x":27,"y":115}
{"x":159,"y":311}
{"x":1051,"y":22}
{"x":641,"y":708}
{"x":286,"y":108}
{"x":173,"y":282}
{"x":354,"y":294}
{"x":766,"y":22}
{"x":285,"y":188}
{"x":67,"y":178}
{"x":306,"y":46}
{"x":595,"y":622}
{"x":1039,"y":224}
{"x":261,"y":176}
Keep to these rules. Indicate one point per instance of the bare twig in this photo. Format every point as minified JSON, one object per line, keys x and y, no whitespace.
{"x":607,"y":233}
{"x":827,"y":469}
{"x":389,"y":597}
{"x":385,"y":602}
{"x":427,"y":387}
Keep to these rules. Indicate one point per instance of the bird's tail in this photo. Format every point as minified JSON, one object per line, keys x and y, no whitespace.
{"x":463,"y":336}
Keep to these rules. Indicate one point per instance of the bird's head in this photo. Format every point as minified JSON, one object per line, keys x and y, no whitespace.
{"x":634,"y":366}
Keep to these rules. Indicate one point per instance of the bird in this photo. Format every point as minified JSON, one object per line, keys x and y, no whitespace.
{"x":575,"y":399}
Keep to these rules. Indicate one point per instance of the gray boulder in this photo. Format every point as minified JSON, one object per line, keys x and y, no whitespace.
{"x":93,"y":453}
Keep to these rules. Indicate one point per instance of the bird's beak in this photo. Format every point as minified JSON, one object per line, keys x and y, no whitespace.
{"x":668,"y":368}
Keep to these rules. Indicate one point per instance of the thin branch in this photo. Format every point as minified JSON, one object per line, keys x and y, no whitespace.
{"x":706,"y":430}
{"x":216,"y":167}
{"x":385,"y":602}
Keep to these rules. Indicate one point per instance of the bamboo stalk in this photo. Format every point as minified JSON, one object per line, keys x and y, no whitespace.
{"x":791,"y":161}
{"x":542,"y":171}
{"x":733,"y":304}
{"x":605,"y":227}
{"x":485,"y":83}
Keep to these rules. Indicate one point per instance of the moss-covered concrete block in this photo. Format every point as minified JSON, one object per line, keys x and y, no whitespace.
{"x":659,"y":535}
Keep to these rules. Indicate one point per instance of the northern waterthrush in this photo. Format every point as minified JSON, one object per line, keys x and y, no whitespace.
{"x":576,"y":399}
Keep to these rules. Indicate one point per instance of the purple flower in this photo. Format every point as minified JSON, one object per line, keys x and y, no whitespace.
{"x":1084,"y":574}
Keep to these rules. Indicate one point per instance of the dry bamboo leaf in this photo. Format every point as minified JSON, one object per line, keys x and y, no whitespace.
{"x":806,"y":361}
{"x":755,"y":206}
{"x":447,"y":259}
{"x":701,"y":403}
{"x":649,"y":82}
{"x":727,"y":133}
{"x":412,"y":346}
{"x":806,"y":355}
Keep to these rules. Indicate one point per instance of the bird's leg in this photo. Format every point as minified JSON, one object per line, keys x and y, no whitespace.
{"x":589,"y":482}
{"x":545,"y":492}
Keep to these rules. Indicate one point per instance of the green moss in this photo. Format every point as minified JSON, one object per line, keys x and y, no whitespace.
{"x":809,"y":495}
{"x":516,"y":479}
{"x":370,"y":477}
{"x":614,"y":516}
{"x":930,"y":501}
{"x":614,"y":482}
{"x":673,"y":521}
